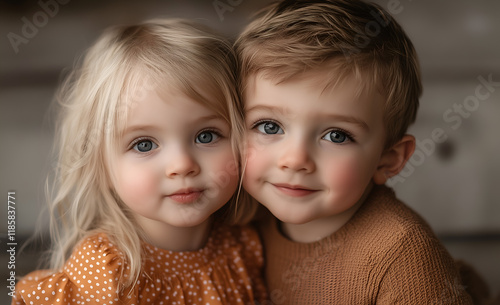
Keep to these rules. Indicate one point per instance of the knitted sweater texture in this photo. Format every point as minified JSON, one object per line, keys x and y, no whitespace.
{"x":385,"y":254}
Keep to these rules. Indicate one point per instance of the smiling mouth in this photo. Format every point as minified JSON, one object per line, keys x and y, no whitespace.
{"x":186,"y":196}
{"x":293,"y":190}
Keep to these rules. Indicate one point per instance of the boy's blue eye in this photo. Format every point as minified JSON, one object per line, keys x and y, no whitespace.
{"x":336,"y":136}
{"x":145,"y":146}
{"x":269,"y":128}
{"x":206,"y":137}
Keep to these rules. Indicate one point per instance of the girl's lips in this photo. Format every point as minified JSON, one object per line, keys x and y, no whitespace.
{"x":294,"y":190}
{"x":186,"y":196}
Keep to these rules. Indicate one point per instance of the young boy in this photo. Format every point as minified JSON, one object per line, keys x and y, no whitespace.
{"x":330,"y":88}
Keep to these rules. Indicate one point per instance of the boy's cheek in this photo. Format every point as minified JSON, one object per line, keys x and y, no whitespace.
{"x":254,"y":154}
{"x":344,"y":175}
{"x":256,"y":169}
{"x":253,"y":167}
{"x":258,"y":142}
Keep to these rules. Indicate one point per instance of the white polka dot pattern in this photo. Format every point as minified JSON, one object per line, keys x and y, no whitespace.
{"x":226,"y":271}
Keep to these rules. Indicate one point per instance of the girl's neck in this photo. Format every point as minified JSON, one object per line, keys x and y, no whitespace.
{"x":178,"y":239}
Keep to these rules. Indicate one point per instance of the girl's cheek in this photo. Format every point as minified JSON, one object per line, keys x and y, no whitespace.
{"x":223,"y":171}
{"x":135,"y":185}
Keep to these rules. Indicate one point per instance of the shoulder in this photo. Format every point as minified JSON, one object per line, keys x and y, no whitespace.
{"x":96,"y":257}
{"x":397,"y":235}
{"x":383,"y":214}
{"x":387,"y":226}
{"x":92,"y":270}
{"x":97,"y":247}
{"x":401,"y":247}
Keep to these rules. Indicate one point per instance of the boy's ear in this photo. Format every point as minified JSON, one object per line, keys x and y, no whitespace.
{"x":394,"y":159}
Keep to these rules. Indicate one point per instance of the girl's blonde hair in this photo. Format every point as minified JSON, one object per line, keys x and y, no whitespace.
{"x":94,"y":102}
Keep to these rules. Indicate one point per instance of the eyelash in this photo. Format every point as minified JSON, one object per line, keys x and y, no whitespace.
{"x":217,"y":132}
{"x":349,"y":135}
{"x":257,"y":123}
{"x":138,"y":140}
{"x":214,"y":131}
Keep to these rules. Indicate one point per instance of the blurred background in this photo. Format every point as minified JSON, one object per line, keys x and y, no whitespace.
{"x":453,"y":179}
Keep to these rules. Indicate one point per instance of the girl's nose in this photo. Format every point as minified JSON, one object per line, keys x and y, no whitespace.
{"x":181,"y":163}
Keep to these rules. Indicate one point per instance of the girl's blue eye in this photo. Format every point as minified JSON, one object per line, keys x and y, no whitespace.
{"x":206,"y":137}
{"x":145,"y":146}
{"x":269,"y":128}
{"x":336,"y":136}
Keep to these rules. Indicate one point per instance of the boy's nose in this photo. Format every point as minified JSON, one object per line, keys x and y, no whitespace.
{"x":181,"y":163}
{"x":297,"y":157}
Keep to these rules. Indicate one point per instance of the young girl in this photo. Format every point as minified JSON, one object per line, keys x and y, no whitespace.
{"x":147,"y":162}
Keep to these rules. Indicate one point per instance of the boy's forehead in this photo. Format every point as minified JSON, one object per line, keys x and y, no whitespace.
{"x":322,"y":80}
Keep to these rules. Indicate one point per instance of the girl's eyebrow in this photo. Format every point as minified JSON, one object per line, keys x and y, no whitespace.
{"x":147,"y":126}
{"x":328,"y":116}
{"x":134,"y":128}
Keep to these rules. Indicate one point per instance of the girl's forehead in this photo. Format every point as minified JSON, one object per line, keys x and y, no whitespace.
{"x":167,"y":98}
{"x":142,"y":82}
{"x":138,"y":83}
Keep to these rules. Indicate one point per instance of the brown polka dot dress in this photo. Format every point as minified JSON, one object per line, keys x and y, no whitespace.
{"x":226,"y":271}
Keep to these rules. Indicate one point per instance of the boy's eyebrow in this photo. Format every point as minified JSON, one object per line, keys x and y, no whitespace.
{"x":335,"y":117}
{"x":349,"y":119}
{"x":265,"y":108}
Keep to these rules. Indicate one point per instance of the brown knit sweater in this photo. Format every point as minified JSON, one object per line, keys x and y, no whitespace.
{"x":386,"y":254}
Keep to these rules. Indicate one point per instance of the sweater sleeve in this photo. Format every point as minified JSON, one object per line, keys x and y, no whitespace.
{"x":421,"y":271}
{"x":91,"y":274}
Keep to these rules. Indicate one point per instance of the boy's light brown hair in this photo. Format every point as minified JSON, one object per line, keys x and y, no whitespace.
{"x":350,"y":37}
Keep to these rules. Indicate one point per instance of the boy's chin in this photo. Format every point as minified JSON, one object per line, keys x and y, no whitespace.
{"x":289,"y":217}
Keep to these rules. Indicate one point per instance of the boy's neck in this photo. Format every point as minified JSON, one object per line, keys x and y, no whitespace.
{"x":320,"y":228}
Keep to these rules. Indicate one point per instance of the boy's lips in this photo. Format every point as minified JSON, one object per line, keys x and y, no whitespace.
{"x":186,"y":195}
{"x":293,"y":190}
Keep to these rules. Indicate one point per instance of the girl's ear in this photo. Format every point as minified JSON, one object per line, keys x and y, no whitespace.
{"x":394,"y":159}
